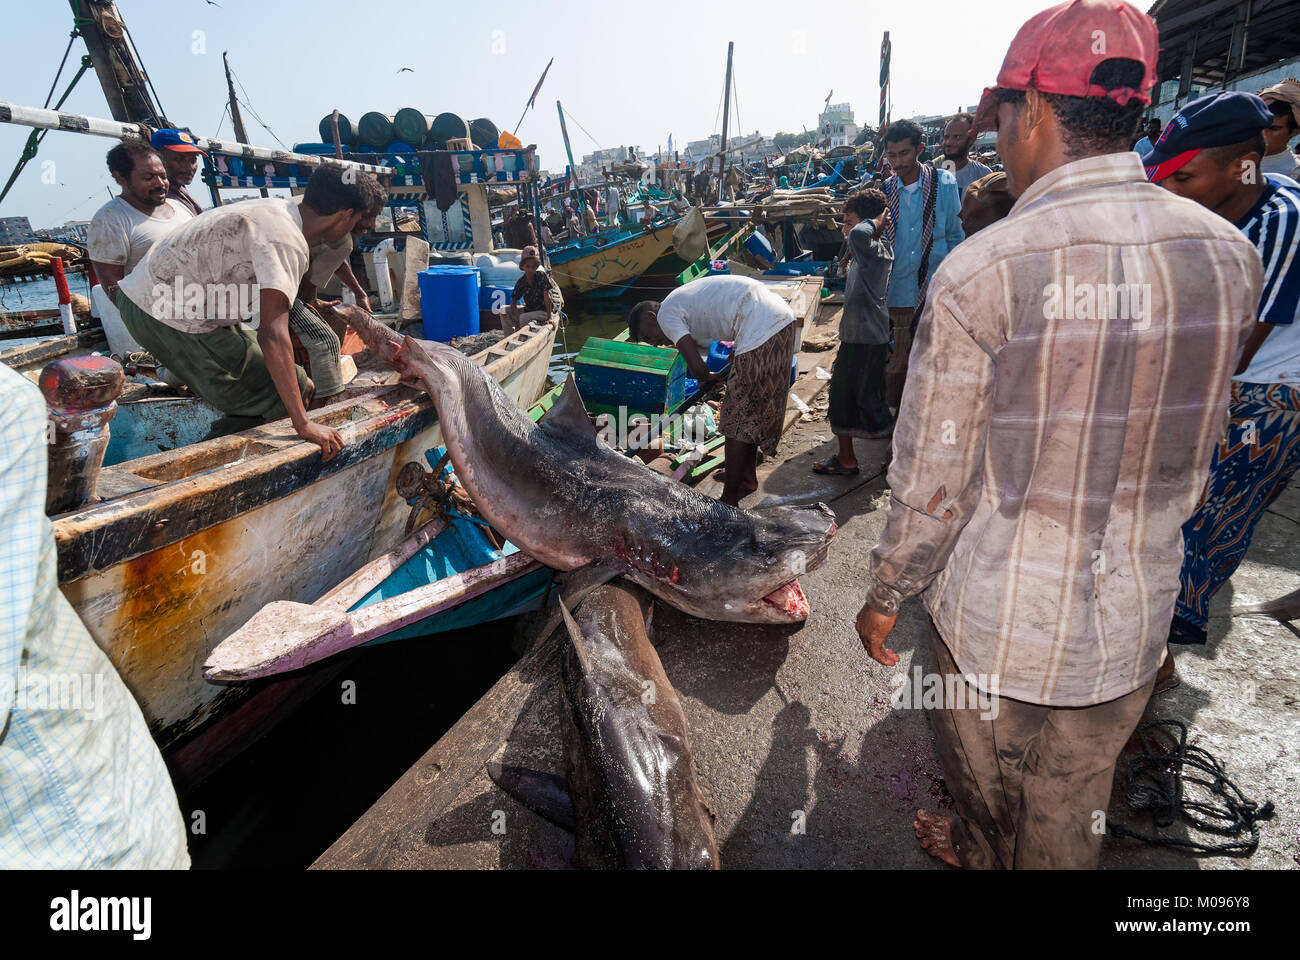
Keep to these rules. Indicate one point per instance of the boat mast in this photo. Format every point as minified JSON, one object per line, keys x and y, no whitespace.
{"x":126,"y":88}
{"x":235,"y":117}
{"x":573,"y":169}
{"x":726,"y":112}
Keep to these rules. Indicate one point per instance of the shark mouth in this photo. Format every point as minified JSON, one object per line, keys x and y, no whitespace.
{"x":790,"y":600}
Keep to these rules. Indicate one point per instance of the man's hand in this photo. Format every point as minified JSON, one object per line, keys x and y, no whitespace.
{"x":874,"y":629}
{"x":363,"y":300}
{"x":327,"y":438}
{"x":881,"y":221}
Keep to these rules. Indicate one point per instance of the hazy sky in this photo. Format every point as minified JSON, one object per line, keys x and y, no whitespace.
{"x":625,"y":72}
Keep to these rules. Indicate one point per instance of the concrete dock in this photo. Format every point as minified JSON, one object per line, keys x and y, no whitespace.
{"x":800,"y":753}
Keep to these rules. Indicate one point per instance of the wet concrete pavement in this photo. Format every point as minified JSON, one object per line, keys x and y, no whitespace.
{"x":803,"y":758}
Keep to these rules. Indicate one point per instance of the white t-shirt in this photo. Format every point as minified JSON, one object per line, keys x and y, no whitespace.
{"x":119,"y":233}
{"x":1282,"y":163}
{"x":724,"y":308}
{"x":208,"y":274}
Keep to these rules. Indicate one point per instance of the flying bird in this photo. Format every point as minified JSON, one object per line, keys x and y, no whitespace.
{"x":406,"y":70}
{"x":212,"y":3}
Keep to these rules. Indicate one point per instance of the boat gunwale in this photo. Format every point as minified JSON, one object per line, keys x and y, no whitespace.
{"x":98,"y":536}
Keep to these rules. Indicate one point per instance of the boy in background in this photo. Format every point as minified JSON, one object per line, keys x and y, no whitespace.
{"x":857,"y":392}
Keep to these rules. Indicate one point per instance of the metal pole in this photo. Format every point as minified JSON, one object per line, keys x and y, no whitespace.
{"x":118,"y":130}
{"x":726,"y":112}
{"x":573,"y":169}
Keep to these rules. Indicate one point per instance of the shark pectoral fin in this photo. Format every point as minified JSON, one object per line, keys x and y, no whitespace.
{"x":568,"y":416}
{"x":575,"y":585}
{"x":546,"y":794}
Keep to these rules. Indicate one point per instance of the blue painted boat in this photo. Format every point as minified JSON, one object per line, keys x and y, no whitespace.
{"x":464,"y":545}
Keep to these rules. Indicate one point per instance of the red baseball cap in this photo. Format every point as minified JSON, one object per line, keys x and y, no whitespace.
{"x":1057,"y":50}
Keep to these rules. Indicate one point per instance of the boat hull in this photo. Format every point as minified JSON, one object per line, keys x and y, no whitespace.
{"x":609,"y":270}
{"x":161,"y":575}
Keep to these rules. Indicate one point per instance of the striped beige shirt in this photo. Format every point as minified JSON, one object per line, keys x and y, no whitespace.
{"x":1068,"y":383}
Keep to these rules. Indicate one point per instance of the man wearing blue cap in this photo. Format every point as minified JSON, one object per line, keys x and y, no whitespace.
{"x":1211,"y":153}
{"x":180,"y":155}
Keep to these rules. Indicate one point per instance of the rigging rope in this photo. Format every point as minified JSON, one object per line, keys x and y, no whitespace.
{"x":255,"y":114}
{"x":1157,"y":784}
{"x":570,"y":116}
{"x":136,"y":64}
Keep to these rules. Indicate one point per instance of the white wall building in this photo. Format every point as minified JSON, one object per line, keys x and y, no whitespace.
{"x":835,"y":127}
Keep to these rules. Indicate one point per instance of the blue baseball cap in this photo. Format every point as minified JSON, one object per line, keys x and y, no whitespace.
{"x":178,"y":141}
{"x":1216,"y":120}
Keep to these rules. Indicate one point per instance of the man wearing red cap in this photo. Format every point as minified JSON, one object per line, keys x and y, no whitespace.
{"x":180,"y":155}
{"x":1068,"y":383}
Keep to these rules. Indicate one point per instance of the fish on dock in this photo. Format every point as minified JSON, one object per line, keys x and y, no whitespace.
{"x":574,"y":503}
{"x":630,"y":794}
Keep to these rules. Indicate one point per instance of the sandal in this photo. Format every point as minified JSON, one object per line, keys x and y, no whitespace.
{"x":831,"y":465}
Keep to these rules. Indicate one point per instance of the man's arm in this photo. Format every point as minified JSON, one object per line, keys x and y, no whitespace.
{"x":273,"y":338}
{"x":110,"y":275}
{"x":23,"y":454}
{"x":108,"y":244}
{"x":1258,"y":334}
{"x":349,"y":280}
{"x":936,"y":477}
{"x":694,"y":362}
{"x":952,"y":228}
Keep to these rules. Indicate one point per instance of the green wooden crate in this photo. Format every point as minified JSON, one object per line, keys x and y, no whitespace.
{"x":643,"y":378}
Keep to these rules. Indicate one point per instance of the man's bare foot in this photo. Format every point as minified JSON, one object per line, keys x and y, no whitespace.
{"x":935,"y":833}
{"x":750,"y":487}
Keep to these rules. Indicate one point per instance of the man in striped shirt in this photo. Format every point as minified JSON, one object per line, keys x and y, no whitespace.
{"x":1068,"y":382}
{"x":82,"y":784}
{"x":1211,"y":152}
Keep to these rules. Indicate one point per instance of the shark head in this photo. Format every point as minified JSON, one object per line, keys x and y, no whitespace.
{"x":746,"y":567}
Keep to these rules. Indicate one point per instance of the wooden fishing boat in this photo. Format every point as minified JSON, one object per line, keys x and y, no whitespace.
{"x":606,"y":264}
{"x":188,"y":542}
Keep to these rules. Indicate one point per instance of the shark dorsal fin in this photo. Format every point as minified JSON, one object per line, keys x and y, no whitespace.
{"x":568,"y":415}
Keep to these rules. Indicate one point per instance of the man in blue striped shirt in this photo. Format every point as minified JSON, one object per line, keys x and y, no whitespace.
{"x":1210,"y":152}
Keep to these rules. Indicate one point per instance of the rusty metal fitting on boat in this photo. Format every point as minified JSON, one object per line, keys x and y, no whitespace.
{"x":81,"y":397}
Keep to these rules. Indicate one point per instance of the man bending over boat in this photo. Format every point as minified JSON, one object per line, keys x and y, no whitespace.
{"x":184,"y":302}
{"x":743,"y":310}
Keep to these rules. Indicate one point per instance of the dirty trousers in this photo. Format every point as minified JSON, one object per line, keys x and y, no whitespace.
{"x":225,"y":366}
{"x":900,"y":321}
{"x":1031,"y":783}
{"x":322,"y":346}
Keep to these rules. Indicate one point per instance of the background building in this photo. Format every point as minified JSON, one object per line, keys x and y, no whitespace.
{"x":1209,"y":45}
{"x":835,"y":127}
{"x":15,"y":230}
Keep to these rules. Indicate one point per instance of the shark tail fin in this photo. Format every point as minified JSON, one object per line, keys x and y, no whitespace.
{"x":546,"y":794}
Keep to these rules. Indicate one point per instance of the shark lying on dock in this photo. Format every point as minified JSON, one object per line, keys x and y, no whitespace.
{"x":572,"y":502}
{"x":630,"y":795}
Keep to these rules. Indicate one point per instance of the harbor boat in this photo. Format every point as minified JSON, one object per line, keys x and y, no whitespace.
{"x":607,"y":264}
{"x":190,"y":541}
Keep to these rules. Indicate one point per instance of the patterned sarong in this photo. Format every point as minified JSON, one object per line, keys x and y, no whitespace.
{"x":754,"y":408}
{"x":1251,"y":467}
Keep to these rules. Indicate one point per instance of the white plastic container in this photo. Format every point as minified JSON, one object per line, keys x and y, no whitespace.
{"x":120,"y":340}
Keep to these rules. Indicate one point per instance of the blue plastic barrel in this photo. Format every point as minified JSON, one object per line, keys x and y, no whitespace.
{"x":449,"y":301}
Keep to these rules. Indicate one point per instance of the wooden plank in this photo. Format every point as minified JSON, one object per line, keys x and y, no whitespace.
{"x":392,"y":833}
